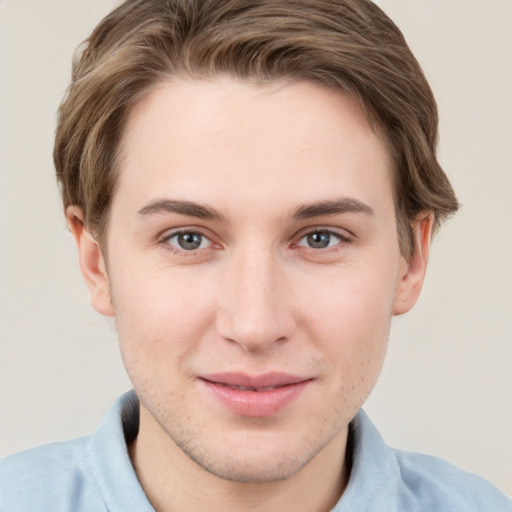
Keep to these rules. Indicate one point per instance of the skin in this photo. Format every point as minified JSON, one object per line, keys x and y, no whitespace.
{"x":258,"y":295}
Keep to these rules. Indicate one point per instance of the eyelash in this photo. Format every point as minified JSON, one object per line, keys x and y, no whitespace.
{"x":343,"y":239}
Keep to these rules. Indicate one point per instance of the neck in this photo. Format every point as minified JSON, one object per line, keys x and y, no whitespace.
{"x":174,"y":482}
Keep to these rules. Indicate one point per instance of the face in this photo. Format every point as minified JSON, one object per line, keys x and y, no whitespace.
{"x":253,"y":270}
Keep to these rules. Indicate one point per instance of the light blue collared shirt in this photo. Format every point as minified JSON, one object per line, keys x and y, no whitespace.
{"x":94,"y":474}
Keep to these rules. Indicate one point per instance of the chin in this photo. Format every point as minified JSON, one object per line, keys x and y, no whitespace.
{"x":251,"y":470}
{"x":259,"y":459}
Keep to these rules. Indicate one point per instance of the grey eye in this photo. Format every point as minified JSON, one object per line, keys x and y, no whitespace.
{"x":320,"y":239}
{"x":189,"y":241}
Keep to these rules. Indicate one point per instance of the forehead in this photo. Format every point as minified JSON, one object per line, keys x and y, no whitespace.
{"x":201,"y":139}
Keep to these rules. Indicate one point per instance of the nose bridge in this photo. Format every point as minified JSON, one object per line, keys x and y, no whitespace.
{"x":254,"y":311}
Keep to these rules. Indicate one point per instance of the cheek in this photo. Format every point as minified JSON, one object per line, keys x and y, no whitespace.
{"x":161,"y":315}
{"x":350,"y":319}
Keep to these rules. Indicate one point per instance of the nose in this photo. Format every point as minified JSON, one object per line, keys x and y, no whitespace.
{"x":255,"y":303}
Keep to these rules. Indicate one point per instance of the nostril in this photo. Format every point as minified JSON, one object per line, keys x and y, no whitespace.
{"x":258,"y":344}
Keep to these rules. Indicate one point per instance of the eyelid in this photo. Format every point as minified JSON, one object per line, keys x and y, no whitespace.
{"x":170,"y":232}
{"x":343,"y":234}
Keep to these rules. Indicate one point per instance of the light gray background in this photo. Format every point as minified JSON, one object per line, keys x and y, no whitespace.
{"x":446,"y":386}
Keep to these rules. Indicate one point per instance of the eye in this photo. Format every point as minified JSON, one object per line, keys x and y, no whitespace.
{"x":321,"y":239}
{"x":188,"y":241}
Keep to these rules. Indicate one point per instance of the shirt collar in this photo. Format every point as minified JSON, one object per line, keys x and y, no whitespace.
{"x":374,"y":477}
{"x":116,"y":477}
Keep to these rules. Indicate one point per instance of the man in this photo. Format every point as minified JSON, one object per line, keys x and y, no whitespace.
{"x":252,"y":187}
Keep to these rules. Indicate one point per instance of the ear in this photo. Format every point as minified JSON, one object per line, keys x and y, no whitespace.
{"x":412,"y":272}
{"x":92,"y":263}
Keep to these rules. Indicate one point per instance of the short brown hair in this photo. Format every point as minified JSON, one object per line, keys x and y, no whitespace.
{"x":350,"y":45}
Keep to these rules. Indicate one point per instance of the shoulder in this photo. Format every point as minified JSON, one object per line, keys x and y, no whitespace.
{"x":87,"y":474}
{"x":385,"y":479}
{"x":426,"y":479}
{"x":55,"y":477}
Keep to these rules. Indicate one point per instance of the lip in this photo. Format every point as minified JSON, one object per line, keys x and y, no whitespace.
{"x":255,"y":395}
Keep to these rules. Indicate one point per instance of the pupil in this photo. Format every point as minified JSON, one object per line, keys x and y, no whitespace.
{"x":189,"y":241}
{"x":319,"y":240}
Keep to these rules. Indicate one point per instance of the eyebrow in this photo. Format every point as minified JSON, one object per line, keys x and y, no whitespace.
{"x":188,"y":208}
{"x":306,"y":211}
{"x":332,"y":207}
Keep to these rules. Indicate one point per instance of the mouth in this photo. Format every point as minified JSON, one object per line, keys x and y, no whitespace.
{"x":244,"y":388}
{"x":257,"y":396}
